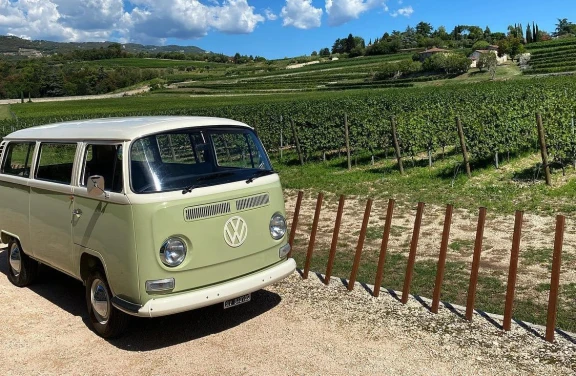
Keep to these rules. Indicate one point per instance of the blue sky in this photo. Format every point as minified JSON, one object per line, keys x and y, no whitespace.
{"x":273,"y":29}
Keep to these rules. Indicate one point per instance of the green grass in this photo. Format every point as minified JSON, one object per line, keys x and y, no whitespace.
{"x":501,"y":191}
{"x":5,"y":112}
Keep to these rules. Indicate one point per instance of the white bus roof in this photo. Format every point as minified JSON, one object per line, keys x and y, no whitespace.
{"x":117,"y":129}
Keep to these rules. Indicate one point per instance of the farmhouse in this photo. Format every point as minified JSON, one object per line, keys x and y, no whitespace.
{"x":475,"y":56}
{"x":29,"y":52}
{"x":432,"y":51}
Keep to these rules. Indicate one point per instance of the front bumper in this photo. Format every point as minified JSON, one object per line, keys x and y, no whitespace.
{"x":169,"y":305}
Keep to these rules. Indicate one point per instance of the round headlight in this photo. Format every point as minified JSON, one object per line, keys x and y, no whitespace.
{"x":173,"y":252}
{"x":277,"y":226}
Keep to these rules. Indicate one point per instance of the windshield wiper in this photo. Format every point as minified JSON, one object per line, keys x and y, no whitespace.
{"x":257,"y":174}
{"x":211,"y":176}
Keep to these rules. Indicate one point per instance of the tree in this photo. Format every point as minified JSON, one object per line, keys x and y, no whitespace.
{"x":350,"y":43}
{"x":424,"y":29}
{"x":528,"y":34}
{"x":480,"y":45}
{"x":562,"y":27}
{"x":487,"y":60}
{"x":491,"y":64}
{"x":441,"y":33}
{"x":534,"y":33}
{"x":339,"y":46}
{"x":325,"y":51}
{"x":511,"y":46}
{"x":314,"y":53}
{"x":487,"y":33}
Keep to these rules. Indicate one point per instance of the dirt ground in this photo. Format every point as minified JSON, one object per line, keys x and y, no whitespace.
{"x":293,"y":328}
{"x":537,"y":241}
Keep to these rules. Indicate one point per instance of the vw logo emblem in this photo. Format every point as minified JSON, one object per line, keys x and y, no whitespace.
{"x":235,"y":231}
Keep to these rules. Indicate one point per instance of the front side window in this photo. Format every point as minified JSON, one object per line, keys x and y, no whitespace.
{"x":18,"y":159}
{"x":196,"y":157}
{"x":105,"y":161}
{"x":55,"y":162}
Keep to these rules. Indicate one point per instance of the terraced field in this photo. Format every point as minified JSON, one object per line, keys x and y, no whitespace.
{"x":552,"y":56}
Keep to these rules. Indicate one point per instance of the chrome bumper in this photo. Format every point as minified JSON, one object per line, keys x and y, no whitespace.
{"x":163,"y":306}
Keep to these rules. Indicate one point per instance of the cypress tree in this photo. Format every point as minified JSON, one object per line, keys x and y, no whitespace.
{"x":534,"y":33}
{"x":528,"y":34}
{"x":538,"y":37}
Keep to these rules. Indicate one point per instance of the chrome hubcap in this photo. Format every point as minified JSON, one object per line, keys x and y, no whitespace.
{"x":100,"y":301}
{"x":15,"y":259}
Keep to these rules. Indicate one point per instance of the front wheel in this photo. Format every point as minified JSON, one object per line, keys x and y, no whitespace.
{"x":22,"y":270}
{"x":107,"y":321}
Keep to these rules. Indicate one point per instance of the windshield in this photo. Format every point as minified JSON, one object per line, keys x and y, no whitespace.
{"x":188,"y":158}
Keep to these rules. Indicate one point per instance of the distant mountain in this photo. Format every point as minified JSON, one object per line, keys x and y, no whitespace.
{"x":12,"y":45}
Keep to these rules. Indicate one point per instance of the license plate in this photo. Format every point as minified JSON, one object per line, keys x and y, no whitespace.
{"x":237,"y":301}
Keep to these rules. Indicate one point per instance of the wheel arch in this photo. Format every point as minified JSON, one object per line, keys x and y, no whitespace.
{"x":89,"y":263}
{"x":5,"y":237}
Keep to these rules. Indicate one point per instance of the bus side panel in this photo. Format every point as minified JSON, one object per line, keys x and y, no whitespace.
{"x":106,"y":230}
{"x":14,"y":212}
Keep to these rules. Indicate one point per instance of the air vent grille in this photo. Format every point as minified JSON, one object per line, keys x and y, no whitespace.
{"x":206,"y":211}
{"x":252,"y":202}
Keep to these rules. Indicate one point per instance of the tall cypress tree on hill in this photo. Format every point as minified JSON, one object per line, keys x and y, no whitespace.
{"x":528,"y":34}
{"x":534,"y":33}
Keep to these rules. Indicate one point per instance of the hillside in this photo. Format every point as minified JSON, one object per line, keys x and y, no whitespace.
{"x":12,"y":44}
{"x":557,"y":56}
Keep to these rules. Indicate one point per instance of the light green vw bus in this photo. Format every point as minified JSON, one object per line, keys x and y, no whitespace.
{"x":155,"y":215}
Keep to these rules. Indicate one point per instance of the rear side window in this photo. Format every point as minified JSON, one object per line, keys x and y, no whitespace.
{"x":18,"y":157}
{"x":56,"y":162}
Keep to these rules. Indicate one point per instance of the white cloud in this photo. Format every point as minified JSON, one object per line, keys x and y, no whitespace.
{"x":342,"y":11}
{"x":301,"y":14}
{"x":148,"y":21}
{"x":270,"y":15}
{"x":235,"y":17}
{"x":406,"y":12}
{"x":58,"y":19}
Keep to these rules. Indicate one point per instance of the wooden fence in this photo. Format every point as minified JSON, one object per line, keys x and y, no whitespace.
{"x":512,"y":272}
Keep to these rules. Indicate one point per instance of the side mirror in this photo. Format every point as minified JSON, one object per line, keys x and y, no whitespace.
{"x":95,"y":186}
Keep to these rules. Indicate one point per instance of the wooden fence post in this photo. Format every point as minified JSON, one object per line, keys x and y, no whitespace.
{"x":475,"y":264}
{"x":334,"y":240}
{"x":555,"y":279}
{"x":512,"y":272}
{"x":543,"y":149}
{"x":396,"y":145}
{"x":295,"y":222}
{"x":295,"y":133}
{"x":347,"y":134}
{"x":412,"y":256}
{"x":361,"y":237}
{"x":463,"y":146}
{"x":384,"y":248}
{"x":313,"y":235}
{"x":442,"y":259}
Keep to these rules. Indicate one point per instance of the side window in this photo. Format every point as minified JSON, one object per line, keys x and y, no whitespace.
{"x":106,"y":161}
{"x":18,"y":157}
{"x":55,"y":162}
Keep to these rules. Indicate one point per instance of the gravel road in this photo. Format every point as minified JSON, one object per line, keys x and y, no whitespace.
{"x":293,"y":328}
{"x":80,"y":97}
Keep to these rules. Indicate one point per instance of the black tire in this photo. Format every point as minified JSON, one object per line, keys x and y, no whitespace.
{"x":22,"y":270}
{"x":112,"y":323}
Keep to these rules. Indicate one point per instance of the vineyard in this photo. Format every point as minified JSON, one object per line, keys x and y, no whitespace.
{"x":552,"y":56}
{"x":498,"y":117}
